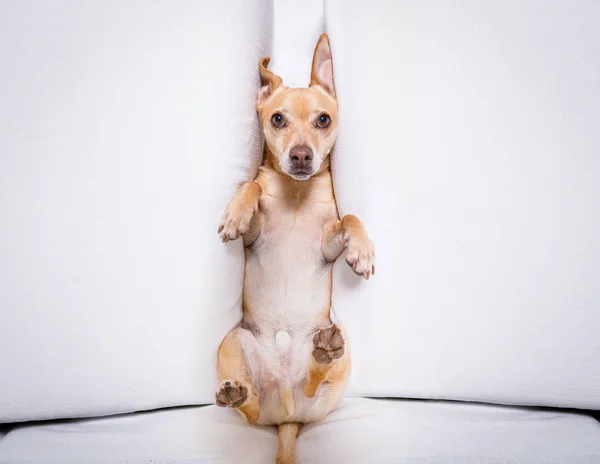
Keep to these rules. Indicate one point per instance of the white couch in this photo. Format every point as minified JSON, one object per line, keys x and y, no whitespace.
{"x":469,"y":145}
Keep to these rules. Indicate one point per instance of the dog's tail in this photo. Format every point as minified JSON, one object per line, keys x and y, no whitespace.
{"x":288,"y":433}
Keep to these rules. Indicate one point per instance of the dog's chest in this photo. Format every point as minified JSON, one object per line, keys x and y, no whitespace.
{"x":295,"y":225}
{"x":288,"y":283}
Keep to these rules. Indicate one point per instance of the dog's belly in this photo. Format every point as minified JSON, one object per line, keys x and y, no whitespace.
{"x":279,"y":369}
{"x":287,"y":298}
{"x":287,"y":282}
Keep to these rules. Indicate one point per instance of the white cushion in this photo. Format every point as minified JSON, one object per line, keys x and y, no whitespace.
{"x":198,"y":435}
{"x":297,"y":26}
{"x":361,"y":431}
{"x":401,"y":431}
{"x":469,"y":144}
{"x":124,"y":129}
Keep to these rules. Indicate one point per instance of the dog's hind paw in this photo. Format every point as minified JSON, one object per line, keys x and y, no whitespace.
{"x":328,"y":344}
{"x":231,"y":394}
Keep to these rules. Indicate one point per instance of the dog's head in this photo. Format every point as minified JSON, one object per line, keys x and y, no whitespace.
{"x":300,"y":124}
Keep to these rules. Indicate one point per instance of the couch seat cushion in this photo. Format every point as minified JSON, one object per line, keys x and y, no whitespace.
{"x":360,"y":431}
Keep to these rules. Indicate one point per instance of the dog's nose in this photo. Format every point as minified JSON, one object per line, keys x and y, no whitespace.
{"x":301,"y":156}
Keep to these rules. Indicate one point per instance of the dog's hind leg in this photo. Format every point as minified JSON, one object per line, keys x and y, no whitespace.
{"x":329,"y":361}
{"x":236,"y":389}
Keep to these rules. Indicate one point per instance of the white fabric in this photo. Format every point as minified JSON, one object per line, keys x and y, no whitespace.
{"x":361,"y":431}
{"x":297,"y":26}
{"x":399,"y":431}
{"x":124,"y":129}
{"x":186,"y":434}
{"x":469,"y":144}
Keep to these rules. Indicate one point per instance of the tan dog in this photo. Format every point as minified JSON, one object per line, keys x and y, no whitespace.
{"x":286,"y":363}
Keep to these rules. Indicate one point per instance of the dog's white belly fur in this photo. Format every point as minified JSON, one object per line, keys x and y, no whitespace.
{"x":278,"y":370}
{"x":288,"y":284}
{"x":286,"y":300}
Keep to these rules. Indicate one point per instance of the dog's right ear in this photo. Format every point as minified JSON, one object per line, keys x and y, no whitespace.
{"x":322,"y":67}
{"x":269,"y":81}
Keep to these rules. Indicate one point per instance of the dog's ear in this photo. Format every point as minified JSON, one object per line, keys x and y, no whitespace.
{"x":269,"y":81}
{"x":322,"y":66}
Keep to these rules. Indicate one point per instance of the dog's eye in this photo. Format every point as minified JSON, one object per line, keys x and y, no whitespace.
{"x":278,"y":120}
{"x":323,"y":121}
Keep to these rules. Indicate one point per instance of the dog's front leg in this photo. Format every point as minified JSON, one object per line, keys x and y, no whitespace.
{"x":241,"y":216}
{"x":350,"y":232}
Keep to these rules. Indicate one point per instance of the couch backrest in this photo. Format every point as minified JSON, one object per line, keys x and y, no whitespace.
{"x":470,"y":146}
{"x":124,"y":129}
{"x":297,"y":26}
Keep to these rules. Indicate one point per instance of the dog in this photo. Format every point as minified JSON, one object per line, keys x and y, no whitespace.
{"x":287,"y":363}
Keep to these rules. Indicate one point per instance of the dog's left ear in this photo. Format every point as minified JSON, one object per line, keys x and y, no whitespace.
{"x":269,"y":81}
{"x":322,"y":66}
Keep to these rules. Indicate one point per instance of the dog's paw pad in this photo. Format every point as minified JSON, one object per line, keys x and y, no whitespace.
{"x":231,"y":394}
{"x":328,"y":344}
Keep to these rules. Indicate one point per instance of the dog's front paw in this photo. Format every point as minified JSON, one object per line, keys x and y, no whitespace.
{"x":361,"y":256}
{"x":236,"y":220}
{"x":328,"y":344}
{"x":231,"y":394}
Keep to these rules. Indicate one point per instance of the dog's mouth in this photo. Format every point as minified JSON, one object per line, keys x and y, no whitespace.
{"x":301,"y":174}
{"x":299,"y":171}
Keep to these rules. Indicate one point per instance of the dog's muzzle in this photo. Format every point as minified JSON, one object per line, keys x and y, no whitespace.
{"x":301,"y":161}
